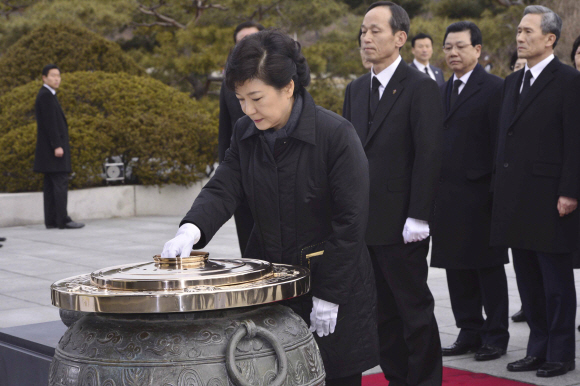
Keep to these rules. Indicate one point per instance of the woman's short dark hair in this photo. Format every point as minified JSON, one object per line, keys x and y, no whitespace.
{"x":270,"y":56}
{"x":461,"y":26}
{"x":49,"y":67}
{"x":513,"y":60}
{"x":247,"y":24}
{"x":574,"y":49}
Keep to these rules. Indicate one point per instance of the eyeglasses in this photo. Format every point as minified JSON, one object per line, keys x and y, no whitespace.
{"x":459,"y":48}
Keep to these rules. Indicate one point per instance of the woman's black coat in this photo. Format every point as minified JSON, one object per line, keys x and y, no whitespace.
{"x":310,"y":195}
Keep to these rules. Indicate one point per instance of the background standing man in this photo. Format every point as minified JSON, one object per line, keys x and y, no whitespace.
{"x":52,"y":155}
{"x":230,"y":112}
{"x":398,"y":115}
{"x":422,"y":49}
{"x":536,"y":191}
{"x":462,"y":215}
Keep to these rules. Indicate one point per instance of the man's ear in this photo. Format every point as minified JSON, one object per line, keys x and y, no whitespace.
{"x":400,"y":39}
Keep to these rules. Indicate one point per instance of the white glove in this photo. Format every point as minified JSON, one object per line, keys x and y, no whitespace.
{"x":186,"y":237}
{"x":415,"y":230}
{"x":323,"y":317}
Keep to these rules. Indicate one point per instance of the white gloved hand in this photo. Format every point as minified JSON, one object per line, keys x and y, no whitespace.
{"x":415,"y":230}
{"x":323,"y":317}
{"x":186,"y":237}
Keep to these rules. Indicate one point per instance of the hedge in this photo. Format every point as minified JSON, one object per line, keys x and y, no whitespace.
{"x":71,"y":47}
{"x":170,"y":137}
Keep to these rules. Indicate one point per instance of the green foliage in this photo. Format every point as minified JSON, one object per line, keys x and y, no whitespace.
{"x":71,"y":48}
{"x":172,"y":137}
{"x":413,"y":7}
{"x":459,"y":9}
{"x":328,"y":93}
{"x":105,"y":17}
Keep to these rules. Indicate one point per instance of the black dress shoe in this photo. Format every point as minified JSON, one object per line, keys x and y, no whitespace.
{"x":519,"y":316}
{"x":2,"y":239}
{"x":526,"y":364}
{"x":553,"y":369}
{"x":51,"y":227}
{"x":72,"y":225}
{"x":459,"y":348}
{"x":488,"y":353}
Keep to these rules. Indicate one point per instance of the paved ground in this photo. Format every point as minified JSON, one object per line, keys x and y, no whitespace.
{"x":34,"y":257}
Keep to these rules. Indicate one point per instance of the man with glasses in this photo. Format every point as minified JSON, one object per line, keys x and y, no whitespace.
{"x":536,"y":191}
{"x":462,"y":216}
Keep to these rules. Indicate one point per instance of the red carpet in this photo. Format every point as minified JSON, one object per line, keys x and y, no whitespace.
{"x":451,"y":377}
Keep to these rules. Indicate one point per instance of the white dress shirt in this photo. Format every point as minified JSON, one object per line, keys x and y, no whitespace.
{"x":463,"y":80}
{"x":536,"y":70}
{"x":385,"y":76}
{"x":50,"y":88}
{"x":422,"y":68}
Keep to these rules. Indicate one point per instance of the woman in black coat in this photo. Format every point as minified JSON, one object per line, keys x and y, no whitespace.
{"x":304,"y":174}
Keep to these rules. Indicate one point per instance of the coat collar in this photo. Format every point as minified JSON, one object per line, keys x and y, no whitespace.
{"x":547,"y":75}
{"x":473,"y":85}
{"x":304,"y":131}
{"x":392,"y":91}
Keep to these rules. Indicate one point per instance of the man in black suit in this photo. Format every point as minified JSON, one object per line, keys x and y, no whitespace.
{"x":536,"y":191}
{"x":52,"y":156}
{"x":230,"y":112}
{"x":422,"y":49}
{"x":462,"y":213}
{"x":398,"y":115}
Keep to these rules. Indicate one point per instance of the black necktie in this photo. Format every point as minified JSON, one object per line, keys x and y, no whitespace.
{"x":455,"y":93}
{"x":375,"y":96}
{"x":527,"y":79}
{"x":427,"y":72}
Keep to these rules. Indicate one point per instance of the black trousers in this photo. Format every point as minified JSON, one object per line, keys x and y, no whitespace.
{"x":471,"y":290}
{"x":353,"y":380}
{"x":408,"y":333}
{"x":546,"y":285}
{"x":55,"y":191}
{"x":244,"y":224}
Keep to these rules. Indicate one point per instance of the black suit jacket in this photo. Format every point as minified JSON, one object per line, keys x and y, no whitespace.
{"x":462,"y":213}
{"x":439,"y":78}
{"x":403,"y":147}
{"x":52,"y":133}
{"x":230,"y":112}
{"x":538,"y":161}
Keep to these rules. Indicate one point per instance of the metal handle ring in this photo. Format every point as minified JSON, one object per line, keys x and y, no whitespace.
{"x":249,"y":329}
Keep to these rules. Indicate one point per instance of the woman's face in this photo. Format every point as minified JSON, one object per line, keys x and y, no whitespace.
{"x":577,"y":58}
{"x":267,"y":106}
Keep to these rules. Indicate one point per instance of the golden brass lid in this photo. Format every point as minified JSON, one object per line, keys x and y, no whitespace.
{"x":188,"y":284}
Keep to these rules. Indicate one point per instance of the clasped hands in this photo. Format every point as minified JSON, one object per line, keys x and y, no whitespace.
{"x":566,"y":205}
{"x":323,"y":315}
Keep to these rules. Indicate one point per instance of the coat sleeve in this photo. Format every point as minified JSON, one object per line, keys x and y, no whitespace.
{"x":225,"y":125}
{"x":48,"y":120}
{"x":427,"y":132}
{"x":218,"y":199}
{"x":348,"y":179}
{"x":346,"y":104}
{"x":570,"y":177}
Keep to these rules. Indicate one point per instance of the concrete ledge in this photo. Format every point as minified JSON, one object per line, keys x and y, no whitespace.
{"x":17,"y":209}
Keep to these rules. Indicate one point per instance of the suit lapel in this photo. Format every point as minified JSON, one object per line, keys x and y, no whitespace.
{"x":472,"y":87}
{"x":546,"y":76}
{"x":392,"y":91}
{"x":360,"y":98}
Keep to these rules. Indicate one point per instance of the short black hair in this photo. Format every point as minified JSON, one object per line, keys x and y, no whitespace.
{"x":399,"y":17}
{"x":247,"y":24}
{"x":513,"y":60}
{"x":270,"y":56}
{"x":419,"y":37}
{"x":573,"y":53}
{"x":46,"y":69}
{"x":461,"y":26}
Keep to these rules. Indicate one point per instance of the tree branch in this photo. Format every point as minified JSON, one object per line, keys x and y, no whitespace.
{"x":163,"y":20}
